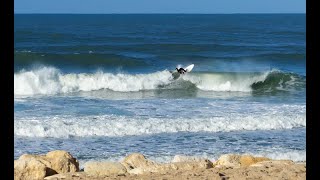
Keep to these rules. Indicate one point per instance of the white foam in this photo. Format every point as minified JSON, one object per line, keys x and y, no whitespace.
{"x":108,"y":125}
{"x":49,"y":80}
{"x":294,"y":155}
{"x":41,"y":81}
{"x":223,"y":82}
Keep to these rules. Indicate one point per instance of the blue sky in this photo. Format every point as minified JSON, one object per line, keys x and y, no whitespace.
{"x":159,"y":6}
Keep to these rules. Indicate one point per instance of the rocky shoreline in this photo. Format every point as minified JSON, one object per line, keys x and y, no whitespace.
{"x":59,"y":164}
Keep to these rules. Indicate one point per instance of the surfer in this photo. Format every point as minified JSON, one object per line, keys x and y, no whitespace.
{"x":181,"y":70}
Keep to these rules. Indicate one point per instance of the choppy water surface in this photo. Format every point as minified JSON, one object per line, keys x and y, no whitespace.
{"x":101,"y":87}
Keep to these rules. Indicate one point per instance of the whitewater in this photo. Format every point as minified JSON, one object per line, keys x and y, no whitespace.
{"x":107,"y":106}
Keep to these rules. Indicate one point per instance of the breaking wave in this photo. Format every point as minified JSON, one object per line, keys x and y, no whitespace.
{"x":108,"y":125}
{"x":50,"y":80}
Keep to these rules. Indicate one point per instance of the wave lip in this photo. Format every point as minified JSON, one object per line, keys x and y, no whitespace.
{"x":65,"y":127}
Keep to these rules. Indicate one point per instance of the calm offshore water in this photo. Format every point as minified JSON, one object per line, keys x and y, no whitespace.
{"x":100,"y":86}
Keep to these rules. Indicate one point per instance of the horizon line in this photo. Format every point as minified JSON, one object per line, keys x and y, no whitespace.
{"x":166,"y":13}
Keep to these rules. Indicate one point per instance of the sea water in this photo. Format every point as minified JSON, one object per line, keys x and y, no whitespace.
{"x":100,"y":86}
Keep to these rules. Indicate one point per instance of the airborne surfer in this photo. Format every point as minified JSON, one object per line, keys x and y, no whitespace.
{"x":181,"y":70}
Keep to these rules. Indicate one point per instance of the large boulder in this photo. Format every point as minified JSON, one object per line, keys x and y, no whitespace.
{"x":167,"y":167}
{"x":138,"y":164}
{"x":186,"y":166}
{"x":136,"y":160}
{"x":237,"y":161}
{"x":29,"y":169}
{"x":39,"y":158}
{"x":181,"y":158}
{"x":62,"y":161}
{"x":104,"y":168}
{"x":54,"y":162}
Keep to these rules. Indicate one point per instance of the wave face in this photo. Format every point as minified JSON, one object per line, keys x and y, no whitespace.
{"x":49,"y":80}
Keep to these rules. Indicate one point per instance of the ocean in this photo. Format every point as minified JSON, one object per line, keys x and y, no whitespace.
{"x":101,"y":87}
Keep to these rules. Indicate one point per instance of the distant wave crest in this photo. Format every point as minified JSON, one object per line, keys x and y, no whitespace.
{"x":108,"y":125}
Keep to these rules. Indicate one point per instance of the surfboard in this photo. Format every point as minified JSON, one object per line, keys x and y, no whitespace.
{"x":189,"y":68}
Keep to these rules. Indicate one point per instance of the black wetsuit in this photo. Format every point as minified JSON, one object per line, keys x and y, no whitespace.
{"x":181,"y":70}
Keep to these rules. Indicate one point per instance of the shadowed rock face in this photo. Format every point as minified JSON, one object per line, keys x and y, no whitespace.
{"x":39,"y":166}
